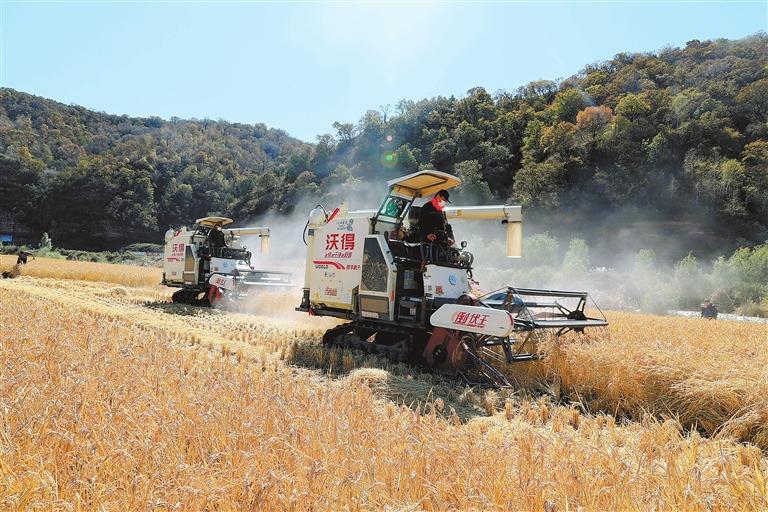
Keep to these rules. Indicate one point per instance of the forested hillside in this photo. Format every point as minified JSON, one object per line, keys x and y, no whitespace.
{"x":679,"y":136}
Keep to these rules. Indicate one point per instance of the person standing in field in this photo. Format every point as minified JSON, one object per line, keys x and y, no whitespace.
{"x":23,"y":255}
{"x":708,"y":310}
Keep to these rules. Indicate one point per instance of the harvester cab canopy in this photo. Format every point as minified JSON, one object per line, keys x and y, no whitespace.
{"x":423,"y":183}
{"x":212,"y":221}
{"x":402,"y":192}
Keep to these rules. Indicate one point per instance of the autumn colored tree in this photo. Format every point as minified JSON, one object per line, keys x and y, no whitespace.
{"x":591,"y":122}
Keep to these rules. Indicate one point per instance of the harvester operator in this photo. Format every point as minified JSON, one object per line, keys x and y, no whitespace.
{"x":216,"y":237}
{"x":433,"y":223}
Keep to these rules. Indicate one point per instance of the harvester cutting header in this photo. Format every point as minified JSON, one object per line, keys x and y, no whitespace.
{"x":409,"y":293}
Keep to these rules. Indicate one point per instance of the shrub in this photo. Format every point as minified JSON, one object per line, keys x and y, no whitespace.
{"x":661,"y":298}
{"x":750,"y":308}
{"x":692,"y":285}
{"x":576,"y":259}
{"x":45,"y":245}
{"x":541,"y":249}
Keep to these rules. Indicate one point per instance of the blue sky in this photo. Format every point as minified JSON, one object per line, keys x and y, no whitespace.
{"x":302,"y":66}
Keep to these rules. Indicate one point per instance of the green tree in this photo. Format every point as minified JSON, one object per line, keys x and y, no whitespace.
{"x":753,"y":101}
{"x":540,"y":185}
{"x":477,"y":106}
{"x":473,"y":188}
{"x":559,"y":141}
{"x":467,"y":138}
{"x":406,"y":161}
{"x":306,"y":188}
{"x":45,"y":246}
{"x":443,"y":154}
{"x":341,"y":185}
{"x":345,"y":131}
{"x":633,"y":106}
{"x":21,"y":189}
{"x":691,"y":283}
{"x":645,"y":262}
{"x":576,"y":260}
{"x":744,"y":275}
{"x":567,"y":104}
{"x":541,"y":249}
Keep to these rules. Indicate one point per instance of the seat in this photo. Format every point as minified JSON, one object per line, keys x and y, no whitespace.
{"x":404,"y":252}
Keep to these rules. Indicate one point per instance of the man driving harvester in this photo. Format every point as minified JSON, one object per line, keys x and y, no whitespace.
{"x":216,"y":237}
{"x":432,"y":222}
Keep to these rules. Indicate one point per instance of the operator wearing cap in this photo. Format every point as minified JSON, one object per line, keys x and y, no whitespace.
{"x":432,"y":222}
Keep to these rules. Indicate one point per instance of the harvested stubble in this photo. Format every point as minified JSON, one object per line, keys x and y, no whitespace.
{"x":398,"y":382}
{"x":246,"y":336}
{"x":709,"y":375}
{"x":100,"y":413}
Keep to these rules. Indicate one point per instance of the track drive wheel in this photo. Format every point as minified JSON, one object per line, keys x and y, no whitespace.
{"x":181,"y":297}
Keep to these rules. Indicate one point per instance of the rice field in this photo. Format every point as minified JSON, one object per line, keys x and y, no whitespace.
{"x":709,"y":375}
{"x":111,"y":398}
{"x":127,"y":275}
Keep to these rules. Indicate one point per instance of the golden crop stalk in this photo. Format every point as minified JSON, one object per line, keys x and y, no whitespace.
{"x":111,"y":398}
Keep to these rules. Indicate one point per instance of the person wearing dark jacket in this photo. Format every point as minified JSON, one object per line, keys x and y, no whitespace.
{"x":709,"y":310}
{"x":433,"y":225}
{"x":22,"y":259}
{"x":216,"y":237}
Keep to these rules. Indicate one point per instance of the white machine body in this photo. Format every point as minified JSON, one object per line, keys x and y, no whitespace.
{"x":223,"y":282}
{"x":445,"y":282}
{"x":335,"y":260}
{"x":475,"y":319}
{"x":350,"y":266}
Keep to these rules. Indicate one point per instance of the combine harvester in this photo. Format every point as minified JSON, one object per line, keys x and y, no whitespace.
{"x":208,"y":275}
{"x":414,"y":302}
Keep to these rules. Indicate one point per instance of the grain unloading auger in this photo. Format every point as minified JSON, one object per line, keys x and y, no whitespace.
{"x":208,"y":274}
{"x":416,"y":302}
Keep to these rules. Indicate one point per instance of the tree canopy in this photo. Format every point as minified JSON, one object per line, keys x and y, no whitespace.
{"x":676,"y":131}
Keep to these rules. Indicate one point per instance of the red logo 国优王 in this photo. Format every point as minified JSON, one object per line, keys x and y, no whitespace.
{"x":470,"y":319}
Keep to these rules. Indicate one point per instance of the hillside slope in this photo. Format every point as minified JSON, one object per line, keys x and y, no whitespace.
{"x":678,"y":137}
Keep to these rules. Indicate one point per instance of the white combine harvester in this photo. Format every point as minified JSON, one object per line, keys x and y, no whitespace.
{"x":417,"y":301}
{"x":208,"y":275}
